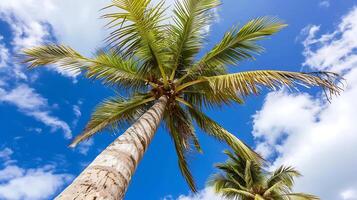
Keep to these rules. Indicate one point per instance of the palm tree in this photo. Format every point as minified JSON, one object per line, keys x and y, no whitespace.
{"x":155,"y":63}
{"x":243,"y":179}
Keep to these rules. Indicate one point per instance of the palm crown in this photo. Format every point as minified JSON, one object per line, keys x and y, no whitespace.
{"x":151,"y":58}
{"x":242,"y":179}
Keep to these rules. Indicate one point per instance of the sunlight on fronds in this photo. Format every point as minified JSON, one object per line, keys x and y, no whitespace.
{"x":247,"y":83}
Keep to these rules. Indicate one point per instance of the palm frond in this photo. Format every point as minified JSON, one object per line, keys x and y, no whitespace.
{"x":302,"y":196}
{"x":64,"y":57}
{"x":217,"y":181}
{"x":180,"y":120}
{"x":247,"y":83}
{"x":231,"y":191}
{"x":113,"y":69}
{"x":217,"y":131}
{"x":234,"y":174}
{"x":190,"y":18}
{"x":277,"y":187}
{"x":226,"y":188}
{"x":238,"y":44}
{"x":114,"y":113}
{"x":183,"y":165}
{"x":283,"y":174}
{"x":240,"y":177}
{"x":181,"y":130}
{"x":137,"y":30}
{"x":248,"y":176}
{"x":204,"y":96}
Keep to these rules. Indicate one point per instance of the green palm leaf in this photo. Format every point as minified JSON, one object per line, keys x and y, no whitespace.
{"x":212,"y":128}
{"x":107,"y":66}
{"x":112,"y":69}
{"x":248,"y":176}
{"x":204,"y":96}
{"x":138,"y":32}
{"x":191,"y":17}
{"x":180,"y":127}
{"x":64,"y":57}
{"x":285,"y":175}
{"x":238,"y":44}
{"x":237,"y":192}
{"x":246,"y":179}
{"x":114,"y":113}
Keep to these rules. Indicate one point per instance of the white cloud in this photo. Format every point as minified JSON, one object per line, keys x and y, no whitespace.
{"x":333,"y":51}
{"x":5,"y":154}
{"x":77,"y":111}
{"x":5,"y":157}
{"x":84,"y":147}
{"x":33,"y":184}
{"x":349,"y":194}
{"x":23,"y":97}
{"x":10,"y":172}
{"x":33,"y":104}
{"x":318,"y":138}
{"x":4,"y":53}
{"x":80,"y":28}
{"x":17,"y":183}
{"x":37,"y":130}
{"x":51,"y":121}
{"x":34,"y":22}
{"x":205,"y":194}
{"x":325,"y":4}
{"x":28,"y":35}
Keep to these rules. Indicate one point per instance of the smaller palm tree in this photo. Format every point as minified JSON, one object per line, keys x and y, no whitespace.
{"x":247,"y":180}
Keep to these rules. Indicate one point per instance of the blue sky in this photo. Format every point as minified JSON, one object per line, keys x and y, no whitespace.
{"x":41,"y":110}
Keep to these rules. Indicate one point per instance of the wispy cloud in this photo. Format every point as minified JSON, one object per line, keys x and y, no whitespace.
{"x":32,"y":104}
{"x":325,"y":4}
{"x":77,"y":113}
{"x":5,"y":154}
{"x":84,"y":147}
{"x":333,"y":51}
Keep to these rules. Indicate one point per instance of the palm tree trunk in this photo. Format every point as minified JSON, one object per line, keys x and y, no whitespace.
{"x":109,"y":175}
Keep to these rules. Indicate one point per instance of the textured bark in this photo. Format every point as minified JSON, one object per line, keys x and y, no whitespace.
{"x":109,"y":175}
